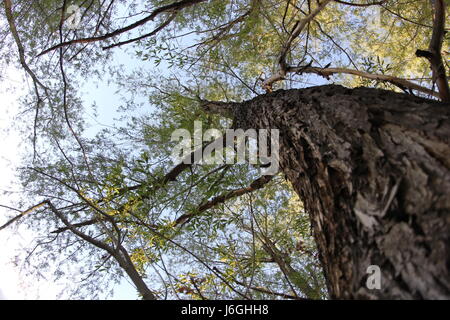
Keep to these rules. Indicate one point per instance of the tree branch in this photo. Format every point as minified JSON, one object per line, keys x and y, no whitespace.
{"x":94,"y":221}
{"x":120,"y":254}
{"x":23,"y":213}
{"x":168,"y":8}
{"x":264,"y":290}
{"x":377,"y":3}
{"x":255,"y":185}
{"x":13,"y":29}
{"x":434,"y":55}
{"x":399,"y":82}
{"x":267,"y":84}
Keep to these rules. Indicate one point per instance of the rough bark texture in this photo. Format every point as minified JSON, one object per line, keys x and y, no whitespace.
{"x":373,"y":170}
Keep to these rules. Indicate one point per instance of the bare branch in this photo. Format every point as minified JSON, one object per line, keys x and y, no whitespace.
{"x":120,"y":254}
{"x":36,"y":82}
{"x":159,"y":28}
{"x":13,"y":29}
{"x":173,"y":7}
{"x":23,"y":213}
{"x":434,"y":54}
{"x":300,"y":25}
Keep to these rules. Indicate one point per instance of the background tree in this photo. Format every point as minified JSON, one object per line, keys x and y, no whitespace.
{"x":369,"y":165}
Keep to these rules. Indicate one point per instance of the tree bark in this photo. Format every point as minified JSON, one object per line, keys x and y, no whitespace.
{"x":373,"y":170}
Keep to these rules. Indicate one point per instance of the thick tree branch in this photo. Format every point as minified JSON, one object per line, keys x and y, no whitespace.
{"x":434,"y":54}
{"x":120,"y":254}
{"x":267,"y":84}
{"x":77,"y":225}
{"x":399,"y":82}
{"x":173,"y":7}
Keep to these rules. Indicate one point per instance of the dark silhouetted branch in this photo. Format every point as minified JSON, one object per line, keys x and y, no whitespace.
{"x":434,"y":55}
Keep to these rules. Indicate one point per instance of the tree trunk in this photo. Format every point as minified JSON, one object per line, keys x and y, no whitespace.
{"x":373,"y":170}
